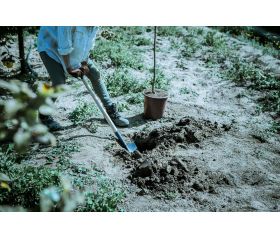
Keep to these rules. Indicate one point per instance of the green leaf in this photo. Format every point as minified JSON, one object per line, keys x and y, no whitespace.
{"x":46,"y":110}
{"x":12,"y":107}
{"x":39,"y":129}
{"x":47,"y":139}
{"x":4,"y":178}
{"x":11,"y":86}
{"x":5,"y":186}
{"x":21,"y":139}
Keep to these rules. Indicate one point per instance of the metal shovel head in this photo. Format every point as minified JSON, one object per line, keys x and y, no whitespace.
{"x":131,"y":147}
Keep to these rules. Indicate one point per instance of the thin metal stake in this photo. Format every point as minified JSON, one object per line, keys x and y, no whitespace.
{"x":154,"y":79}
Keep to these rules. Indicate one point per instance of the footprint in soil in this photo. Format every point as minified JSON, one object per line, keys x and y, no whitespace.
{"x":159,"y":172}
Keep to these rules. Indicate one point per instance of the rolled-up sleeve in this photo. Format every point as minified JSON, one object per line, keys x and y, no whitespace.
{"x":65,"y":45}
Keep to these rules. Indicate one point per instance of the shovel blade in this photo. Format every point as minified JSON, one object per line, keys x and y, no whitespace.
{"x":131,"y":147}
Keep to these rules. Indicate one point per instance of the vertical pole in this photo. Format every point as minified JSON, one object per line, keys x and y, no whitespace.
{"x":21,"y":50}
{"x":154,"y":78}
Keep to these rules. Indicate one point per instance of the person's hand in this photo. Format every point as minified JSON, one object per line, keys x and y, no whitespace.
{"x":75,"y":72}
{"x":84,"y":68}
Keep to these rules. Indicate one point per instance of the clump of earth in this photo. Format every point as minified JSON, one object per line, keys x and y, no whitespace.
{"x":162,"y":173}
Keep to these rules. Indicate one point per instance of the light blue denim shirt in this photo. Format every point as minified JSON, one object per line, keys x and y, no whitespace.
{"x":73,"y":41}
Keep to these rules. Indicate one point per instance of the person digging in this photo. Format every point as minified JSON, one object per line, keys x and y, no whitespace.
{"x":66,"y":50}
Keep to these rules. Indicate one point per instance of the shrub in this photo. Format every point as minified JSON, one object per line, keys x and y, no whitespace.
{"x":104,"y":197}
{"x":116,"y":54}
{"x":19,"y":114}
{"x":122,"y":82}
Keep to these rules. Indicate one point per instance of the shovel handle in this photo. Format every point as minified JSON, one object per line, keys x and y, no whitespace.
{"x":105,"y":114}
{"x":99,"y":105}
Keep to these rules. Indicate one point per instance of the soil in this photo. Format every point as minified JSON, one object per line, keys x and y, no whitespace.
{"x":157,"y":94}
{"x":212,"y":150}
{"x":162,"y":171}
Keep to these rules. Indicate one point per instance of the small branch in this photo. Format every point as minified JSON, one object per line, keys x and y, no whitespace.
{"x":21,"y":50}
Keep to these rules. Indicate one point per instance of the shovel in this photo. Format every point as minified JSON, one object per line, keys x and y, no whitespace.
{"x":130,"y":147}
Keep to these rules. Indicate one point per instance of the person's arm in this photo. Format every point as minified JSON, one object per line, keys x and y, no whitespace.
{"x":65,"y":47}
{"x":74,"y":72}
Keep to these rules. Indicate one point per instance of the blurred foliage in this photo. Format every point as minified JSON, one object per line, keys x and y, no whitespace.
{"x":45,"y":188}
{"x":19,"y":114}
{"x":61,"y":199}
{"x":24,"y":182}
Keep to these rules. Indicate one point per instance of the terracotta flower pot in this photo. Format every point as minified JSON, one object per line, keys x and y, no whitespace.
{"x":154,"y":103}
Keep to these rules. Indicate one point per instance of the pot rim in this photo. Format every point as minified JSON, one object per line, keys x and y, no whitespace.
{"x":146,"y":91}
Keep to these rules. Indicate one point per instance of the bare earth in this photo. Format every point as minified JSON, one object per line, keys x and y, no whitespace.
{"x":210,"y":152}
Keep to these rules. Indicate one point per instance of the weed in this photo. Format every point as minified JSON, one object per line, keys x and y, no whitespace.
{"x":175,"y":43}
{"x":171,"y":195}
{"x":142,"y":41}
{"x":241,"y":71}
{"x":104,"y":196}
{"x":271,"y":101}
{"x":170,"y":31}
{"x":122,"y":107}
{"x":92,"y":127}
{"x":162,"y":82}
{"x":61,"y":154}
{"x":275,"y":127}
{"x":122,"y":82}
{"x":116,"y":54}
{"x":186,"y":90}
{"x":190,"y":46}
{"x":244,"y":72}
{"x":212,"y":39}
{"x":82,"y":112}
{"x":26,"y":182}
{"x":135,"y":98}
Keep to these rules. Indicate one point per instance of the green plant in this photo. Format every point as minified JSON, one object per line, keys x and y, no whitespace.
{"x":116,"y":54}
{"x":142,"y":41}
{"x":241,"y":71}
{"x":161,"y":81}
{"x":275,"y":127}
{"x":135,"y":98}
{"x":19,"y":114}
{"x":82,"y":112}
{"x":122,"y":107}
{"x":122,"y":82}
{"x":213,"y":39}
{"x":26,"y":183}
{"x":186,"y":90}
{"x":244,"y":72}
{"x":190,"y":45}
{"x":92,"y":127}
{"x":171,"y":195}
{"x":271,"y":101}
{"x":170,"y":31}
{"x":104,"y":196}
{"x":64,"y":198}
{"x":60,"y":155}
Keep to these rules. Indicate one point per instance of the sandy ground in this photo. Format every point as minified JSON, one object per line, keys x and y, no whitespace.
{"x":225,"y":160}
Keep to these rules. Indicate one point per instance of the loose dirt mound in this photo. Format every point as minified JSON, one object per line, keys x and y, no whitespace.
{"x":164,"y":174}
{"x":186,"y":131}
